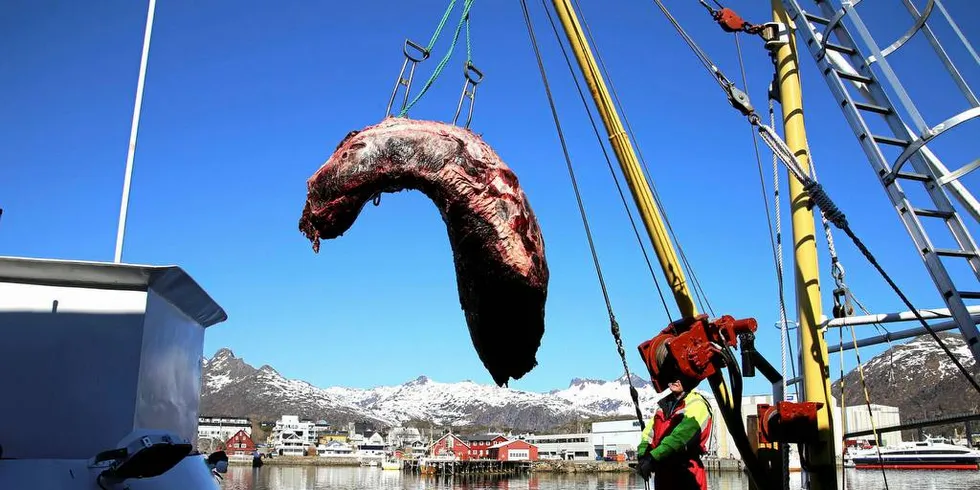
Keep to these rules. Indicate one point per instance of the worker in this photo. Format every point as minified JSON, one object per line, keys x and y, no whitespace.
{"x":676,"y":438}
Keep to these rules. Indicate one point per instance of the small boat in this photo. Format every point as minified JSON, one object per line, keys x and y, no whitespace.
{"x":391,"y":465}
{"x":923,"y":455}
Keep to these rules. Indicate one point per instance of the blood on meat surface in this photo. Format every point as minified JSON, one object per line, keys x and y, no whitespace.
{"x":498,"y":251}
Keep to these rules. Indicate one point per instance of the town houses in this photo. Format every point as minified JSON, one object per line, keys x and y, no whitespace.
{"x":361,"y":442}
{"x":483,"y":447}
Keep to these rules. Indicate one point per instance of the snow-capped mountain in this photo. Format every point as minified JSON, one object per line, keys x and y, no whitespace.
{"x":232,"y":387}
{"x":918,"y":378}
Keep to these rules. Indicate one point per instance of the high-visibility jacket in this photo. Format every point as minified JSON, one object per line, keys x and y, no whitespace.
{"x":677,"y":437}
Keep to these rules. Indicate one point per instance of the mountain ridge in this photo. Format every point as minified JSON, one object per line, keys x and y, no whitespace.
{"x":232,"y":386}
{"x":915,"y":376}
{"x":919,"y":379}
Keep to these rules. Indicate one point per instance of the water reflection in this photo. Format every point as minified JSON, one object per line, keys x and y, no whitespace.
{"x":319,"y":478}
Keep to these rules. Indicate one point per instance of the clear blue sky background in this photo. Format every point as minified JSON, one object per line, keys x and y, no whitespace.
{"x":245,"y":100}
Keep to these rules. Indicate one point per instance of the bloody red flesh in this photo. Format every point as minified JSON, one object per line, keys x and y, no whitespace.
{"x":498,"y":251}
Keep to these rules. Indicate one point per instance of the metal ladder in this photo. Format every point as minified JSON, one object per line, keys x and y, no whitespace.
{"x":848,"y":72}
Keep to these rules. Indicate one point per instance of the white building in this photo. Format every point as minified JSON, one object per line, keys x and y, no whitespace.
{"x":419,"y":449}
{"x":291,"y":436}
{"x":571,"y":447}
{"x":616,"y":437}
{"x":371,"y":445}
{"x":334,"y":449}
{"x":220,"y":429}
{"x":856,"y":418}
{"x":403,"y":436}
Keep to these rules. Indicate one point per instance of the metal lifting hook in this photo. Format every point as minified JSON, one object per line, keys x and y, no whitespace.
{"x":410,"y":48}
{"x":473,"y":78}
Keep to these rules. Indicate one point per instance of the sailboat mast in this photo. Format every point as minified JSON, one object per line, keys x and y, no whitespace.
{"x":815,"y":368}
{"x":626,"y":155}
{"x":124,"y":207}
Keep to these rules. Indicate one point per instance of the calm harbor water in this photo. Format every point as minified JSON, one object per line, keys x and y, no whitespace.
{"x":318,"y":478}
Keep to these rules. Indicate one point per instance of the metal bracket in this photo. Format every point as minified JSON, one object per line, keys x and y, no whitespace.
{"x":415,"y":54}
{"x":775,"y":34}
{"x":473,"y":77}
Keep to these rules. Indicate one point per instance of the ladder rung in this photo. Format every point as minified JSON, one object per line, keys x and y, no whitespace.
{"x":888,"y":140}
{"x":853,"y":76}
{"x":932,"y":213}
{"x":816,"y":18}
{"x":969,"y":294}
{"x":949,"y":252}
{"x":872,"y":108}
{"x":913,"y":176}
{"x":839,"y":48}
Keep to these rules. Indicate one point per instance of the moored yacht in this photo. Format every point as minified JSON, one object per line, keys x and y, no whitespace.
{"x":924,"y":455}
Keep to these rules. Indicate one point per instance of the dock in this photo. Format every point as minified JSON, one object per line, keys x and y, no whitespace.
{"x":464,"y":468}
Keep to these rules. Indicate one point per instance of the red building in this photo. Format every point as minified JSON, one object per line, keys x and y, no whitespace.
{"x":240,"y":443}
{"x":514,"y":451}
{"x":450,"y":445}
{"x":480,"y":445}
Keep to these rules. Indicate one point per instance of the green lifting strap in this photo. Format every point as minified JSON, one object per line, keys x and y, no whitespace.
{"x":442,"y":23}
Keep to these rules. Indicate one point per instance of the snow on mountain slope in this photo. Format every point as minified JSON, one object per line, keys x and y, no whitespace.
{"x":230,"y":384}
{"x":919,"y":379}
{"x":915,"y":376}
{"x":608,"y":397}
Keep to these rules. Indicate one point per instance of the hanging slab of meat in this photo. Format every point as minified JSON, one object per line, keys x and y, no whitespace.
{"x":501,"y":272}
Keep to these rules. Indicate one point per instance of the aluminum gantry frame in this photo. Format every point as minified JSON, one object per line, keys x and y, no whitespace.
{"x":847,"y":66}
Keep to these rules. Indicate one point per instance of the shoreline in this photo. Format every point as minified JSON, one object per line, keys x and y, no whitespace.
{"x":553,"y":466}
{"x":547,"y":466}
{"x":300,"y":461}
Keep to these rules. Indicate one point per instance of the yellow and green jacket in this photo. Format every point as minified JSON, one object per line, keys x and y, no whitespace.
{"x":679,"y":428}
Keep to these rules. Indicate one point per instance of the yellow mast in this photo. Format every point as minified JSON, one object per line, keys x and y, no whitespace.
{"x":643,"y":197}
{"x":623,"y":148}
{"x":815,"y":368}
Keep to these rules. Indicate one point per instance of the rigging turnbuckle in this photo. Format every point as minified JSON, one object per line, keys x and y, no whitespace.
{"x":472,"y":78}
{"x":414,"y":54}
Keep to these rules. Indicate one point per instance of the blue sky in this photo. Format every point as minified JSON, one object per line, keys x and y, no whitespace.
{"x":245,"y":100}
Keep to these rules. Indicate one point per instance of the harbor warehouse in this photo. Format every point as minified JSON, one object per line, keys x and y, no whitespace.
{"x":616,"y":437}
{"x":513,"y":451}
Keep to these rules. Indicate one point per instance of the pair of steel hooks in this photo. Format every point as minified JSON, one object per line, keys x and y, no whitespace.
{"x":415,"y":54}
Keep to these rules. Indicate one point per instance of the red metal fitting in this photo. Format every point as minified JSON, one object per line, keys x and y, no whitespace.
{"x":788,"y":422}
{"x":729,"y":20}
{"x":690,"y":346}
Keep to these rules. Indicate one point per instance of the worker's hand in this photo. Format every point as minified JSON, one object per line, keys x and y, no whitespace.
{"x":645,"y":466}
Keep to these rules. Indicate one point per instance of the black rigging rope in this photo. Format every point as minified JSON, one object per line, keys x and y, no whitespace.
{"x":614,"y":325}
{"x":605,"y":154}
{"x":874,"y":262}
{"x":813,"y":188}
{"x":699,"y":293}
